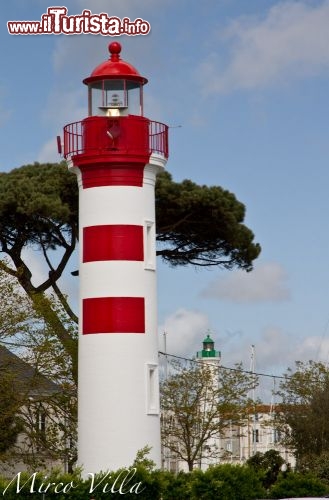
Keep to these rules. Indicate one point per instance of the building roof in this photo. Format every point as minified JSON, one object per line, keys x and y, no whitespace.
{"x":115,"y":68}
{"x":266,"y":408}
{"x":208,"y":340}
{"x":26,"y":377}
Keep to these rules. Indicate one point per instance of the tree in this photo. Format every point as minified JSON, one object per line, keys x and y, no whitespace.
{"x":197,"y":225}
{"x":318,"y":465}
{"x":296,"y":485}
{"x":198,"y":405}
{"x":202,"y":225}
{"x":37,"y":390}
{"x":49,"y":416}
{"x":303,"y":415}
{"x":228,"y":482}
{"x":38,"y":211}
{"x":269,"y":463}
{"x":10,"y":423}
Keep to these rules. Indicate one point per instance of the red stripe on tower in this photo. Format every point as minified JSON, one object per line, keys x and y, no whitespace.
{"x":113,"y":315}
{"x":113,"y":242}
{"x":101,"y":175}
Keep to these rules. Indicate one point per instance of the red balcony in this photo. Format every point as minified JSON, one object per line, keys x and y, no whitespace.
{"x":111,"y":135}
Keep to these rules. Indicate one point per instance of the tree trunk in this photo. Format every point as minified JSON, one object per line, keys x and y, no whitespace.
{"x":42,"y":306}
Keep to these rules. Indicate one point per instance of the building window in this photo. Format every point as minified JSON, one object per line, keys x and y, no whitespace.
{"x":255,"y":436}
{"x":40,"y":420}
{"x":276,"y":436}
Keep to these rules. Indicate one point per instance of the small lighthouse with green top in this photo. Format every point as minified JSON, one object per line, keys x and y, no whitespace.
{"x":209,"y":360}
{"x":208,"y":349}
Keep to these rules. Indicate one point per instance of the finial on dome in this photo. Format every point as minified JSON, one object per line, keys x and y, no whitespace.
{"x":115,"y":49}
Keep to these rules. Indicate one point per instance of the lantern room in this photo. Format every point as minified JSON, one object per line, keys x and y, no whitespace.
{"x":115,"y":124}
{"x":115,"y":88}
{"x":208,"y":350}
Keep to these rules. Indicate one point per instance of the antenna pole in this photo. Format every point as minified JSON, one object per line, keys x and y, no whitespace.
{"x":165,"y":351}
{"x":252,"y":369}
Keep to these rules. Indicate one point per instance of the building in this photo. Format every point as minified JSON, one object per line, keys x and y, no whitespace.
{"x":40,"y":413}
{"x":256,"y":433}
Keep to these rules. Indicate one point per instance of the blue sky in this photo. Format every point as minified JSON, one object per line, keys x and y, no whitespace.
{"x":248,"y":83}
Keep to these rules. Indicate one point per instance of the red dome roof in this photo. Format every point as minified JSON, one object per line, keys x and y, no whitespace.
{"x":115,"y":68}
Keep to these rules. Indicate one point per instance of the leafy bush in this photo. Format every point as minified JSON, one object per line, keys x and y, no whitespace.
{"x":317,"y":465}
{"x":135,"y":482}
{"x":223,"y":482}
{"x":227,"y":482}
{"x":269,"y":463}
{"x":294,"y":484}
{"x":177,"y":485}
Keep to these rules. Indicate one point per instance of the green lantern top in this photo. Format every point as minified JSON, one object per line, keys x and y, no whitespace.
{"x":208,"y":350}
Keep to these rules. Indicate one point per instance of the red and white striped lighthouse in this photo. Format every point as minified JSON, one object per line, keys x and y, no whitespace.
{"x":116,"y":153}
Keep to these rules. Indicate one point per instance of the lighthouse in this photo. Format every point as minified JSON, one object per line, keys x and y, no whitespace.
{"x":116,"y":154}
{"x":210,"y":359}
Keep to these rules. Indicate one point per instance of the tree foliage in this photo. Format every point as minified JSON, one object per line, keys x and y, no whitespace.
{"x":202,"y":225}
{"x":293,"y":485}
{"x":269,"y":463}
{"x":38,"y":211}
{"x":198,"y":404}
{"x":10,"y":402}
{"x":318,"y":465}
{"x":37,"y":389}
{"x":228,"y":482}
{"x":303,"y":415}
{"x":16,"y":312}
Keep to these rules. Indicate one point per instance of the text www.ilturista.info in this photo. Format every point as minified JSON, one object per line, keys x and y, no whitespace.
{"x":56,"y":22}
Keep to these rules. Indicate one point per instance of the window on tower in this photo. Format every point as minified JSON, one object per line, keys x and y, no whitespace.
{"x":152,"y":376}
{"x":149,"y":245}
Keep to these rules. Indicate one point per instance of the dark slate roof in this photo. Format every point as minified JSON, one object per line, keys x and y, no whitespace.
{"x":26,"y":377}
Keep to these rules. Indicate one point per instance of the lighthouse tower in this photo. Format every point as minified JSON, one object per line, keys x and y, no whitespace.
{"x":210,"y":360}
{"x":116,"y":153}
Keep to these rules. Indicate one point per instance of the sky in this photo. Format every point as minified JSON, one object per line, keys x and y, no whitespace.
{"x":244,"y":89}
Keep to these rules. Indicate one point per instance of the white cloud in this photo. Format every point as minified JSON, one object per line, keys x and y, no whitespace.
{"x":292,"y":41}
{"x":63,"y":107}
{"x":185,"y":331}
{"x":313,"y":347}
{"x":275,"y":350}
{"x":49,"y":152}
{"x":267,"y":282}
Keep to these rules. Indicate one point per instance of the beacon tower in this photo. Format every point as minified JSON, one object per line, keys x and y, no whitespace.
{"x":210,"y":360}
{"x":116,"y":154}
